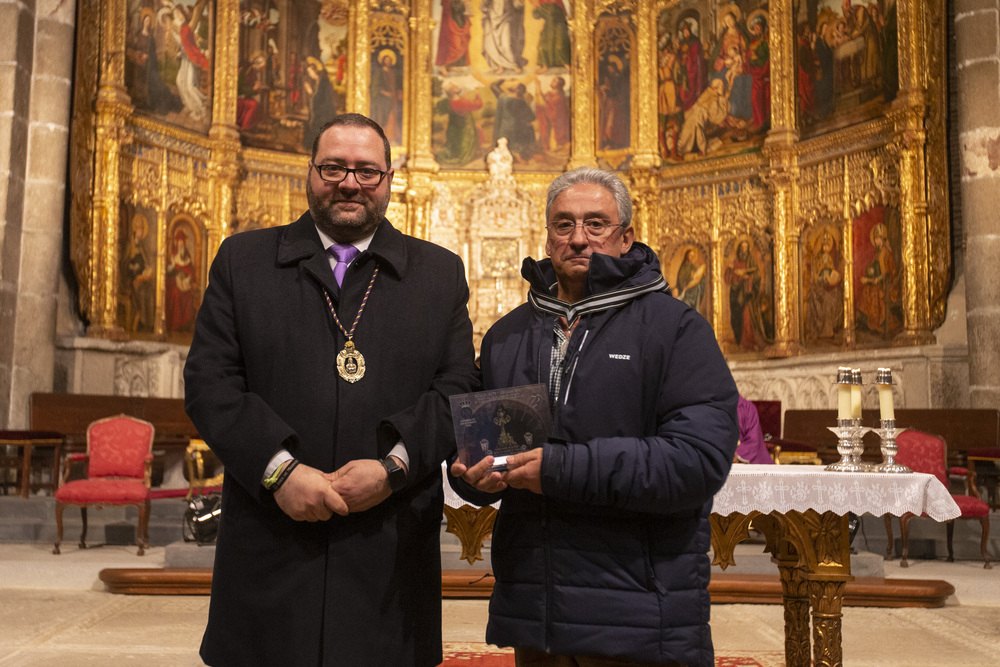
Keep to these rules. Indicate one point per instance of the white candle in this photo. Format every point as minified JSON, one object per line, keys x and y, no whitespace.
{"x":883,"y":378}
{"x":843,"y":401}
{"x":856,"y":394}
{"x":843,"y":393}
{"x":885,"y":402}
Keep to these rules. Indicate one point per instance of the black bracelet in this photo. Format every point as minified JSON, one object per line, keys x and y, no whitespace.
{"x":284,"y":474}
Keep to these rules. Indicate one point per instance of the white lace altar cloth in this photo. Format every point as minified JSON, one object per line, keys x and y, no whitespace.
{"x":769,"y":488}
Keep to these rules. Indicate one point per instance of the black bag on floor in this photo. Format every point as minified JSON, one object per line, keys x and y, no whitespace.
{"x":201,"y":518}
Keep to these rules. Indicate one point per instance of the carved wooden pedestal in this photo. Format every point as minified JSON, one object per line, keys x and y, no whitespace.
{"x":812,"y":551}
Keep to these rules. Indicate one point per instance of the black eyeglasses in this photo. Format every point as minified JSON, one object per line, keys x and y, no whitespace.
{"x":336,"y":173}
{"x":594,"y":227}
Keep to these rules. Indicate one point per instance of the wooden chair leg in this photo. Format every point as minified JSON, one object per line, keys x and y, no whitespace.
{"x":951,"y":534}
{"x":59,"y":527}
{"x":904,"y":531}
{"x":83,"y":534}
{"x":985,"y":521}
{"x":889,"y":537}
{"x":142,"y":530}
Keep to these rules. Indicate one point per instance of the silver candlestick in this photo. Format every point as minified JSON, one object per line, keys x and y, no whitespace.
{"x":849,"y":434}
{"x":887,"y":431}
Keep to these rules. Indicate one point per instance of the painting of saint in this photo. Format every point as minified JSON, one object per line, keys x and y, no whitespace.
{"x":183,"y":289}
{"x":293,"y":70}
{"x":824,"y":285}
{"x":387,"y":94}
{"x":745,"y":277}
{"x":514,"y":120}
{"x":137,"y":275}
{"x":320,"y":99}
{"x":691,"y":285}
{"x":667,"y":99}
{"x":847,"y":66}
{"x":730,"y":63}
{"x":252,"y":93}
{"x":714,"y":79}
{"x":553,"y":42}
{"x":462,"y":136}
{"x":759,"y":60}
{"x":711,"y":109}
{"x":503,"y":35}
{"x":552,"y":112}
{"x":692,"y":58}
{"x":453,"y":36}
{"x":614,"y":91}
{"x":168,"y":60}
{"x":876,"y":272}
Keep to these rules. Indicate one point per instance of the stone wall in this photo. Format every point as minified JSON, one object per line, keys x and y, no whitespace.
{"x":36,"y":60}
{"x":977,"y":61}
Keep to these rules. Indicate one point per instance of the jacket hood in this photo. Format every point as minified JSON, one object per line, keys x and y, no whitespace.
{"x":639,"y":266}
{"x":611,"y":282}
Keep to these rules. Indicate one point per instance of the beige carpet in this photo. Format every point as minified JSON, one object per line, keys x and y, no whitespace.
{"x":53,"y":611}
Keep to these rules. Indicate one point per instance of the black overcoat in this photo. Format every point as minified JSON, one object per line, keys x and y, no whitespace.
{"x":261,"y":374}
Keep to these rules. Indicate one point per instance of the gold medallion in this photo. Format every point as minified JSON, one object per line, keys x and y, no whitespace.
{"x":350,"y":363}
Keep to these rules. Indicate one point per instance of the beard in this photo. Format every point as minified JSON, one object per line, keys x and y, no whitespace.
{"x":346,"y":226}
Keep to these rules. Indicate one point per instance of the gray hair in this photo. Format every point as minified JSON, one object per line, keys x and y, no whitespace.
{"x":605,"y":179}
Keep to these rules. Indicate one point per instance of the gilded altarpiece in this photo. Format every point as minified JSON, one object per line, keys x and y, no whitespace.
{"x":784,"y":156}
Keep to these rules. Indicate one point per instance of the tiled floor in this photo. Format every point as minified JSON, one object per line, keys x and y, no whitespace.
{"x":53,"y":611}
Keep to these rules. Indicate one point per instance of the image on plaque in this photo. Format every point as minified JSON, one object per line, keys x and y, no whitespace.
{"x":500,"y":422}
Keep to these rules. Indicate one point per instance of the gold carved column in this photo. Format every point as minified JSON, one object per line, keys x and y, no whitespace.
{"x":582,"y":28}
{"x":783,"y":177}
{"x":421,"y":165}
{"x":223,"y":167}
{"x":645,"y":148}
{"x":421,"y":157}
{"x":358,"y":75}
{"x":912,"y":139}
{"x":112,"y":109}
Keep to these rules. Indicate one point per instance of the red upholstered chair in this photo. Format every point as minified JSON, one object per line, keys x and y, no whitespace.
{"x":119,"y":464}
{"x":922,"y":452}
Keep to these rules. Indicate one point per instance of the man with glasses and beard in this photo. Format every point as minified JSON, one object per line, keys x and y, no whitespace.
{"x":600,"y":548}
{"x":323,"y":357}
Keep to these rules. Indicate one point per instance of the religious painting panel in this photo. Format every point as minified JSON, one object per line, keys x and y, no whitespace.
{"x":501,"y":71}
{"x":184,"y":278}
{"x":293,"y":65}
{"x":713,"y":78}
{"x":749,"y":303}
{"x":877,"y":276}
{"x":686,"y":267}
{"x":388,"y":47}
{"x":822,"y":285}
{"x":169,"y":60}
{"x":847,"y":68}
{"x":614,"y":51}
{"x":137,"y":273}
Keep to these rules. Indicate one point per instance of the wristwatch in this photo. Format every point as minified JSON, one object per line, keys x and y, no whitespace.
{"x":397,"y":476}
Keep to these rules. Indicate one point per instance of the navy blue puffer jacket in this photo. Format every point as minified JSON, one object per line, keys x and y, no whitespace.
{"x":612,"y":558}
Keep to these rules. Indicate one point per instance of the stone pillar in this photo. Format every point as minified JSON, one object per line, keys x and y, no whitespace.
{"x":35,"y":80}
{"x":977,"y":58}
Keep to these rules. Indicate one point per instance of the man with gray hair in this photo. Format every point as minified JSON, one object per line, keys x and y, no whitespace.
{"x":600,"y":549}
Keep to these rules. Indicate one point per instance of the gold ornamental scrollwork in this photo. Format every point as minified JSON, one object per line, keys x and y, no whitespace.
{"x":873,"y":154}
{"x":471,"y":525}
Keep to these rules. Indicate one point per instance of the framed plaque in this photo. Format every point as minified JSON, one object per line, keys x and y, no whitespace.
{"x":500,"y":422}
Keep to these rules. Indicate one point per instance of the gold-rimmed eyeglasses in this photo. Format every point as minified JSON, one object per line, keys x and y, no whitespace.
{"x":595,"y":228}
{"x":336,"y":173}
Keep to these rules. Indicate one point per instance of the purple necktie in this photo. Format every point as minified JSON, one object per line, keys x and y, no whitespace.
{"x":344,"y":254}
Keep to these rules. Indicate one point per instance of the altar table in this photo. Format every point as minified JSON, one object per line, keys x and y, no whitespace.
{"x":802,"y":512}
